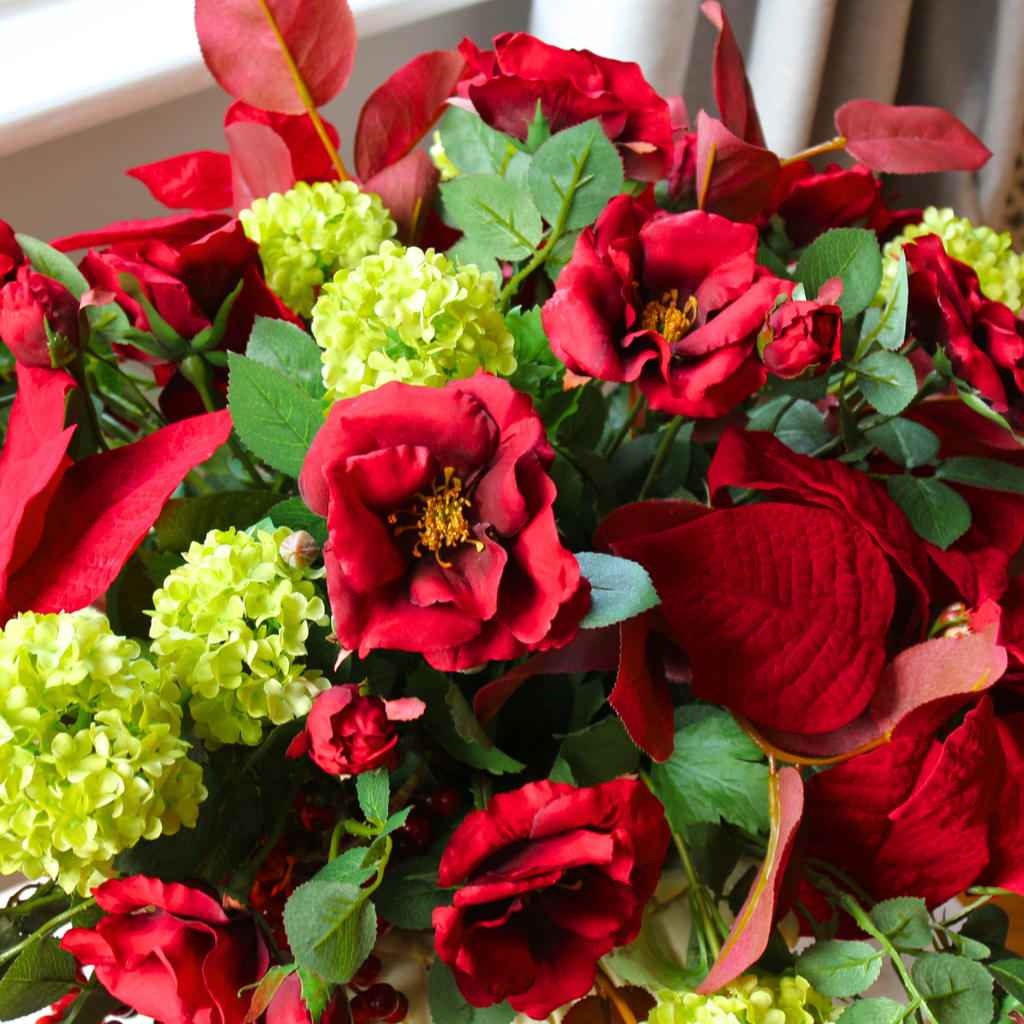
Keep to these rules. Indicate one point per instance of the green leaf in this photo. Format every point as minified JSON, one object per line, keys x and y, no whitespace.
{"x":538,"y":131}
{"x":471,"y":144}
{"x":560,"y":254}
{"x":409,"y":894}
{"x":347,"y":868}
{"x":329,"y":932}
{"x":575,"y":174}
{"x":184,"y":520}
{"x":957,"y":991}
{"x":599,"y":753}
{"x":374,"y":790}
{"x":40,"y":976}
{"x":93,"y":1005}
{"x":316,"y":993}
{"x":447,"y":1003}
{"x":887,"y":381}
{"x":852,"y":255}
{"x":904,"y":921}
{"x":989,"y":924}
{"x":287,"y":348}
{"x":770,"y":260}
{"x":837,"y":968}
{"x":265,"y":989}
{"x":494,"y":214}
{"x":907,"y":443}
{"x":935,"y":511}
{"x":295,"y":514}
{"x":977,"y":472}
{"x":468,"y":251}
{"x":971,"y":948}
{"x":1009,"y":974}
{"x":874,"y":1011}
{"x":892,"y":327}
{"x":643,"y":962}
{"x":619,"y":589}
{"x":275,"y":418}
{"x":715,"y":851}
{"x":802,"y":428}
{"x":715,"y":772}
{"x":814,"y":389}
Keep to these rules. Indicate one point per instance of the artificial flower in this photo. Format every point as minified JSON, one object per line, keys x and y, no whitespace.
{"x":748,"y":1000}
{"x":288,"y":1007}
{"x":801,"y":336}
{"x":39,"y":320}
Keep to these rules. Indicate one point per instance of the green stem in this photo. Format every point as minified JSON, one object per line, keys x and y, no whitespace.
{"x":339,"y":831}
{"x":700,"y":895}
{"x":139,"y":397}
{"x":47,"y":929}
{"x":631,"y":417}
{"x":30,"y":906}
{"x":966,"y":910}
{"x":662,"y":457}
{"x":241,"y":881}
{"x":77,"y":370}
{"x":782,"y":412}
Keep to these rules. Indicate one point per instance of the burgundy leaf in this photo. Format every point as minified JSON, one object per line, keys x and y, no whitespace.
{"x":908,"y":140}
{"x":191,"y":181}
{"x":732,"y":89}
{"x":742,"y":175}
{"x":407,"y":189}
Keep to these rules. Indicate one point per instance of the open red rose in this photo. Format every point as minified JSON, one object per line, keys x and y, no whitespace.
{"x":170,"y":951}
{"x":441,"y":534}
{"x":802,"y":336}
{"x":673,"y":302}
{"x":28,"y":305}
{"x":572,"y":86}
{"x":556,"y":877}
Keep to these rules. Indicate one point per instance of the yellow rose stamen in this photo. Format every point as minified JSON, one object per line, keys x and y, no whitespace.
{"x":665,"y":317}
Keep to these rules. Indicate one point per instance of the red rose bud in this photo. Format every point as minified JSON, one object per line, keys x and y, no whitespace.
{"x":800,"y":336}
{"x":11,"y":255}
{"x":39,"y":320}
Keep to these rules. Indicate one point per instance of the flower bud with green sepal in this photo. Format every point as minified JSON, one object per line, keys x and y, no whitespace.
{"x":91,"y":755}
{"x":231,"y":624}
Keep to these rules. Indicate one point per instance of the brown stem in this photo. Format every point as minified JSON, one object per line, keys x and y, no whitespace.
{"x":606,"y":985}
{"x":707,"y":176}
{"x":823,"y":147}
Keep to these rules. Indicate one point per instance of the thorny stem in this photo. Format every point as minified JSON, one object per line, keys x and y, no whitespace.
{"x":47,"y":929}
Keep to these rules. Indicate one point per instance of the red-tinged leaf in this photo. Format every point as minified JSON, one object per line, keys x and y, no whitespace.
{"x":177,"y":231}
{"x":641,"y":697}
{"x":592,"y":650}
{"x":782,"y":610}
{"x":908,"y":140}
{"x":265,"y":990}
{"x":242,"y":51}
{"x":401,"y":111}
{"x":407,"y":189}
{"x":742,"y":176}
{"x":752,"y":928}
{"x":101,"y":510}
{"x":310,"y":159}
{"x":643,"y":518}
{"x":260,"y":162}
{"x":191,"y":181}
{"x":601,"y":1010}
{"x":733,"y":94}
{"x":830,"y":291}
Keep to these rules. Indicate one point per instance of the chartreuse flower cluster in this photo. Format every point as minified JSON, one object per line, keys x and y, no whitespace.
{"x":748,"y":1000}
{"x":91,"y":757}
{"x":1000,"y":270}
{"x":231,"y":624}
{"x":411,"y":316}
{"x":311,"y":231}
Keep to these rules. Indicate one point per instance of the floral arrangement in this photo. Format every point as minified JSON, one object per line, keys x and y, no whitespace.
{"x":541,"y":574}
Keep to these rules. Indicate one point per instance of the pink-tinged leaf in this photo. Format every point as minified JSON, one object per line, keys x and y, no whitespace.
{"x":908,"y":140}
{"x":742,"y":176}
{"x":191,"y":181}
{"x":405,"y":709}
{"x":641,"y":697}
{"x":242,"y":51}
{"x":177,"y":231}
{"x":260,"y":162}
{"x":101,"y":510}
{"x":309,"y":156}
{"x":733,"y":94}
{"x":407,"y":189}
{"x":97,"y":297}
{"x":752,"y":928}
{"x":264,"y":992}
{"x":399,"y":113}
{"x":830,"y":291}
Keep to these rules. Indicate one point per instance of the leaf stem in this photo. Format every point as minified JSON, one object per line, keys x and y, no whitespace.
{"x":47,"y":929}
{"x":635,"y":411}
{"x":662,"y":457}
{"x":839,"y":142}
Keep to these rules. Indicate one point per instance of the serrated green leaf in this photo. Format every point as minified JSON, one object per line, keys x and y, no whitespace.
{"x":495,"y":214}
{"x":814,"y":389}
{"x":935,"y":511}
{"x":770,"y":260}
{"x":715,"y":772}
{"x":374,"y":791}
{"x":907,"y":443}
{"x":315,"y":992}
{"x":1009,"y":974}
{"x":275,"y":418}
{"x":294,"y":514}
{"x":619,"y":589}
{"x":977,"y":472}
{"x":892,"y":326}
{"x":409,"y":894}
{"x":347,"y":868}
{"x":904,"y":921}
{"x":93,"y":1005}
{"x":852,"y":255}
{"x":838,"y":968}
{"x":575,"y":174}
{"x":329,"y":931}
{"x":447,"y":1003}
{"x":957,"y":991}
{"x":971,"y":948}
{"x":874,"y":1011}
{"x":472,"y":144}
{"x":287,"y":348}
{"x":470,"y":252}
{"x":989,"y":924}
{"x":600,"y":752}
{"x":887,"y":381}
{"x":802,"y":428}
{"x":40,"y":975}
{"x":184,"y":520}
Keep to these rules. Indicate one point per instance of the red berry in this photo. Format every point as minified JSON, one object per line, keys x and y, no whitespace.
{"x":419,"y":830}
{"x":360,"y":1013}
{"x":401,"y":1013}
{"x":444,"y":800}
{"x":381,"y":1000}
{"x":367,"y":974}
{"x":383,"y":926}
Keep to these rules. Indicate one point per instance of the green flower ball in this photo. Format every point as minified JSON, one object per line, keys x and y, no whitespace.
{"x":91,"y":757}
{"x":411,"y":316}
{"x":231,"y":626}
{"x":748,"y":1000}
{"x":311,"y":231}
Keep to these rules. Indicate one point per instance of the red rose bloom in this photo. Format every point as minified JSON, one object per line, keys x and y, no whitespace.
{"x":29,"y":304}
{"x":673,"y":302}
{"x":171,"y":952}
{"x":556,"y":877}
{"x":801,"y":336}
{"x":572,"y":86}
{"x":441,"y":534}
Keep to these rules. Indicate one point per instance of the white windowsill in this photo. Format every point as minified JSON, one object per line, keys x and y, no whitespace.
{"x":71,"y":64}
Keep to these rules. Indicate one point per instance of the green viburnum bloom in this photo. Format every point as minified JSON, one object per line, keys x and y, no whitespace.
{"x":1000,"y":270}
{"x":231,"y":626}
{"x":442,"y":161}
{"x":91,"y":757}
{"x":311,"y":231}
{"x":411,"y":316}
{"x":748,"y":1000}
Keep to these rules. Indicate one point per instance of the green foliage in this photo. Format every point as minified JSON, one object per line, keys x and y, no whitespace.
{"x":409,"y":894}
{"x":619,"y":589}
{"x":907,"y":443}
{"x":874,"y":1011}
{"x":852,"y":255}
{"x":892,"y":324}
{"x":837,"y":968}
{"x":957,"y":991}
{"x":471,"y":144}
{"x":887,"y":381}
{"x":93,"y":1005}
{"x":904,"y":922}
{"x":643,"y":962}
{"x":935,"y":511}
{"x":315,"y":992}
{"x":348,"y":868}
{"x":184,"y":520}
{"x":1009,"y":974}
{"x":468,"y":251}
{"x":715,"y":851}
{"x":495,"y":214}
{"x":40,"y":975}
{"x":802,"y":428}
{"x":597,"y":754}
{"x":448,"y":1005}
{"x":768,"y":259}
{"x":294,"y":514}
{"x":374,"y":790}
{"x":977,"y":472}
{"x":290,"y":350}
{"x":265,"y":989}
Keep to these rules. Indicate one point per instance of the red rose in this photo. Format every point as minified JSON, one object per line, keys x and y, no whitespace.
{"x":171,"y":952}
{"x":442,"y":537}
{"x":801,"y":336}
{"x":673,"y":302}
{"x":572,"y":86}
{"x":556,"y":877}
{"x":28,"y":305}
{"x":287,"y":1006}
{"x":11,"y":255}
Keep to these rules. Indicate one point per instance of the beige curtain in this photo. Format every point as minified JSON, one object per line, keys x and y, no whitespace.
{"x":807,"y":57}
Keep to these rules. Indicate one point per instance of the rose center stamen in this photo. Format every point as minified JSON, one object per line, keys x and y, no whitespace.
{"x":667,"y":318}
